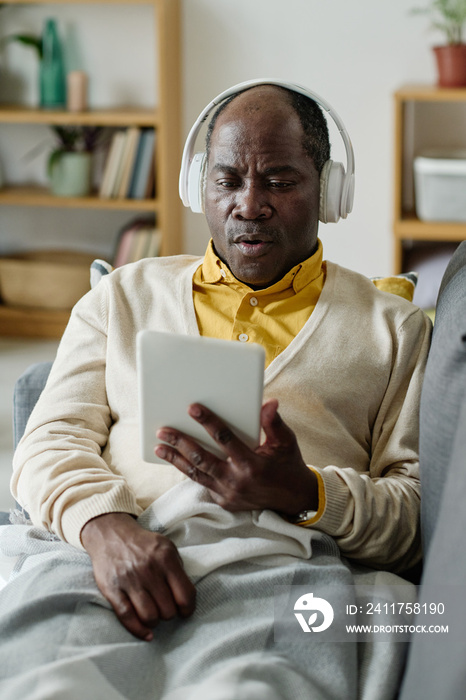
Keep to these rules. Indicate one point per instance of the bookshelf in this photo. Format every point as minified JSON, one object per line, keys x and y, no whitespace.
{"x":164,"y":118}
{"x":407,"y":228}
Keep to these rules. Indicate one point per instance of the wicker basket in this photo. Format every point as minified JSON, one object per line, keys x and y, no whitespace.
{"x":46,"y":279}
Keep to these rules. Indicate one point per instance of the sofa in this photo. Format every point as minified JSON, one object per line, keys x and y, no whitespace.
{"x":436,"y":664}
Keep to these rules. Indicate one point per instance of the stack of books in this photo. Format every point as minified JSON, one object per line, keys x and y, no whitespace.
{"x":139,"y":239}
{"x":130,"y":166}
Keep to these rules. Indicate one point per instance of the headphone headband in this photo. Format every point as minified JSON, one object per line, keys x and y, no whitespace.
{"x":189,"y":184}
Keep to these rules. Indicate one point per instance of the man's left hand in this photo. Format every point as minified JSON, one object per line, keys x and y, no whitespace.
{"x":274,"y":476}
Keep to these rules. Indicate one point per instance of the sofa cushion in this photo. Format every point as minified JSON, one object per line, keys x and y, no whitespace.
{"x":403,"y":285}
{"x":28,"y":388}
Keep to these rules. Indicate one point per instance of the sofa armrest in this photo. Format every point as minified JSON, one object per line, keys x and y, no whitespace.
{"x":443,"y":391}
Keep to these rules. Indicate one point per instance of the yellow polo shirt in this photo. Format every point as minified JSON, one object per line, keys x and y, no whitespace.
{"x":226,"y":308}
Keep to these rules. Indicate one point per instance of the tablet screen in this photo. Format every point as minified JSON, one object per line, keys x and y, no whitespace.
{"x":175,"y":371}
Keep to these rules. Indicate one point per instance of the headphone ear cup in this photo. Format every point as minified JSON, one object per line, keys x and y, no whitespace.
{"x":196,"y":183}
{"x":331,"y":189}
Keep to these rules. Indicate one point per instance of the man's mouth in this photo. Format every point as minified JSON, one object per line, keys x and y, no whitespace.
{"x":252,"y":245}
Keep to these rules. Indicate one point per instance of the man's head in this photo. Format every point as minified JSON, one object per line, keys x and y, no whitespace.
{"x":264,"y":159}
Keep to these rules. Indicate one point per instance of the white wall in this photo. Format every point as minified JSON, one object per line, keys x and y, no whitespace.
{"x":355,"y":54}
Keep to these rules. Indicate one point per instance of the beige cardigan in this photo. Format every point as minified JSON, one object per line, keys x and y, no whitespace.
{"x":348,"y":385}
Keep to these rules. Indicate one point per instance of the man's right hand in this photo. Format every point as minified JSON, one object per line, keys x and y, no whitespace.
{"x":139,"y":572}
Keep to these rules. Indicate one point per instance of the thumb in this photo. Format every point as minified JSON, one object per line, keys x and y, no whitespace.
{"x":276,"y":430}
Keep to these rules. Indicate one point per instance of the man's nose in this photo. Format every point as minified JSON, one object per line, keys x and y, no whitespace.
{"x":252,"y":203}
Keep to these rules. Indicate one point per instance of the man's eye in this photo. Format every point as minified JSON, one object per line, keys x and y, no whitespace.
{"x":280,"y":184}
{"x":227,"y":184}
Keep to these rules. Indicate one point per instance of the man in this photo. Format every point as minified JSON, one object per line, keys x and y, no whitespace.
{"x":342,"y":387}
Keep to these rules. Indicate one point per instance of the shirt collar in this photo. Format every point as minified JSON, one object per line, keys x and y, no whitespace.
{"x":214,"y":271}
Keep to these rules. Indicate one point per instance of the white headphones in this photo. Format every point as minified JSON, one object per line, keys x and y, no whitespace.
{"x":336,"y":184}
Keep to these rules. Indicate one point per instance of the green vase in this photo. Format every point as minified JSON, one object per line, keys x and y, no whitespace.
{"x":71,"y":175}
{"x":51,"y":71}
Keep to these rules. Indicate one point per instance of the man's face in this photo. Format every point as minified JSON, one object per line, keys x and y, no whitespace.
{"x":262,"y":190}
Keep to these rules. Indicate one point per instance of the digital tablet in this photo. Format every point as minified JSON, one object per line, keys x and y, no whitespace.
{"x":175,"y":371}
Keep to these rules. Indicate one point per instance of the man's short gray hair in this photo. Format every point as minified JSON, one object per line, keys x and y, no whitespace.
{"x":316,"y":142}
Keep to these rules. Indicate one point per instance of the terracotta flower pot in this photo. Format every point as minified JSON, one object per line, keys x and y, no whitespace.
{"x":451,"y":65}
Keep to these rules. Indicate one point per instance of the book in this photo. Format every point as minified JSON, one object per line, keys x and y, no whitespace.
{"x":111,"y":164}
{"x":123,"y":248}
{"x":128,"y":160}
{"x":144,"y":162}
{"x":137,"y":163}
{"x":136,"y":241}
{"x":150,"y":185}
{"x":120,"y":168}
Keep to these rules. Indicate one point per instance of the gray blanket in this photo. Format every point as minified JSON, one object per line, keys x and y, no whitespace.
{"x":60,"y":638}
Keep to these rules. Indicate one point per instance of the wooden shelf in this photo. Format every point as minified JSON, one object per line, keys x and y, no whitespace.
{"x":123,"y":116}
{"x":430,"y":93}
{"x":412,"y":228}
{"x":406,"y":226}
{"x":32,"y":323}
{"x":41,"y":197}
{"x":165,"y":119}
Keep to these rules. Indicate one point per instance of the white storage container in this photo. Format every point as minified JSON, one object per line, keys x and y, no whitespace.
{"x":440,"y":185}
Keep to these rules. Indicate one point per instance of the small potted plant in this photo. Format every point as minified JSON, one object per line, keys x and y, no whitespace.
{"x":69,"y":163}
{"x":449,"y":16}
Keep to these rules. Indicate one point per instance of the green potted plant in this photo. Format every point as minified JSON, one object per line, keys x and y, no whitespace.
{"x":449,"y":16}
{"x":69,"y":163}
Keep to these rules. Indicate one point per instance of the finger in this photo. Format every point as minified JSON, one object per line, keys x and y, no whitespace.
{"x":165,"y":601}
{"x":128,"y":617}
{"x":220,"y":432}
{"x":183,"y":591}
{"x":189,"y":457}
{"x":276,"y":430}
{"x":145,"y":606}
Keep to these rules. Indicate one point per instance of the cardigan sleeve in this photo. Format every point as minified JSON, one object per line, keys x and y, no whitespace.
{"x":374,"y":516}
{"x":59,"y":475}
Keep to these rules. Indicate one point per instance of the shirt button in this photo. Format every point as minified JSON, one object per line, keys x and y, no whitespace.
{"x":253,"y":301}
{"x":243,"y":338}
{"x":223,"y":273}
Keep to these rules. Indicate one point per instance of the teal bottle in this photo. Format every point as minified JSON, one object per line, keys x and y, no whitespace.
{"x":52,"y":71}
